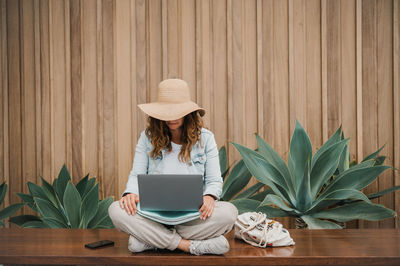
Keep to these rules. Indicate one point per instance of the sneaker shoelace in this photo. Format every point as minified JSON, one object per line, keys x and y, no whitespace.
{"x":259,"y":219}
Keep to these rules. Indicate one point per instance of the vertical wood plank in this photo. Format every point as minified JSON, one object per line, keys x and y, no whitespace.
{"x":396,"y":103}
{"x":89,"y":86}
{"x":250,"y":73}
{"x":324,"y":70}
{"x":220,"y":101}
{"x":141,"y":65}
{"x":236,"y":105}
{"x":76,"y":89}
{"x":334,"y":92}
{"x":297,"y":63}
{"x":385,"y":96}
{"x":45,"y":89}
{"x":359,"y":80}
{"x":187,"y":41}
{"x":57,"y":81}
{"x":267,"y":71}
{"x":172,"y":39}
{"x":313,"y":72}
{"x":229,"y":59}
{"x":348,"y":73}
{"x":108,"y":101}
{"x":370,"y":88}
{"x":123,"y":81}
{"x":14,"y":96}
{"x":154,"y":46}
{"x":100,"y":98}
{"x":28,"y":109}
{"x":133,"y":89}
{"x":68,"y":102}
{"x":4,"y":127}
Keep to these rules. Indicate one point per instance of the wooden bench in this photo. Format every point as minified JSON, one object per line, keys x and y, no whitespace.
{"x":313,"y":247}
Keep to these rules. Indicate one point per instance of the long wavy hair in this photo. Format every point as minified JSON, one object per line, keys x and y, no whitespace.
{"x":160,"y":136}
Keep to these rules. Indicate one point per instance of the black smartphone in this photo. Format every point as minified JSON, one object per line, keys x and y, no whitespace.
{"x":99,"y":244}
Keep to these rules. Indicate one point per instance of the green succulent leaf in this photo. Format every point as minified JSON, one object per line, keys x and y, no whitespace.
{"x":28,"y":199}
{"x":238,"y":178}
{"x":358,"y":210}
{"x":356,"y":178}
{"x":245,"y":205}
{"x":261,"y":195}
{"x":314,"y":223}
{"x":383,"y":192}
{"x":102,"y":214}
{"x":380,"y":160}
{"x":325,"y":166}
{"x":81,"y":186}
{"x":272,"y":157}
{"x":373,"y":155}
{"x":89,"y":206}
{"x":344,"y":162}
{"x":72,"y":203}
{"x":49,"y":191}
{"x":34,"y":224}
{"x":272,"y":212}
{"x":257,"y":169}
{"x":10,"y":210}
{"x":62,"y":181}
{"x":336,"y":137}
{"x":53,"y":223}
{"x":37,"y":191}
{"x":303,"y":193}
{"x":250,"y":191}
{"x":49,"y":212}
{"x":22,"y":219}
{"x":90,"y":184}
{"x":299,"y":152}
{"x":337,"y":195}
{"x":272,"y":199}
{"x":3,"y":190}
{"x":223,"y":159}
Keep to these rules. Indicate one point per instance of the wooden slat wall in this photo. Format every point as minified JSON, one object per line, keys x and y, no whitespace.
{"x":73,"y":72}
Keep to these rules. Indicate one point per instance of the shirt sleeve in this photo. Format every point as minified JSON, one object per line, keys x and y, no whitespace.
{"x":140,"y":165}
{"x":213,"y":179}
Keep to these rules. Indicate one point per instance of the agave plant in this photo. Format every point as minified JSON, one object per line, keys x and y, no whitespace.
{"x":236,"y":179}
{"x":317,"y":188}
{"x":10,"y":210}
{"x":64,"y":205}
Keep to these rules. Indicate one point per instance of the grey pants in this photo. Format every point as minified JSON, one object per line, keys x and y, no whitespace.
{"x":158,"y":235}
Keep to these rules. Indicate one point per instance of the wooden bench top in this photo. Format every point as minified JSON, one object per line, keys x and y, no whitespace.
{"x":313,"y":247}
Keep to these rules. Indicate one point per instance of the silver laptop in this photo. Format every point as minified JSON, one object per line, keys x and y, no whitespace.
{"x":170,"y":192}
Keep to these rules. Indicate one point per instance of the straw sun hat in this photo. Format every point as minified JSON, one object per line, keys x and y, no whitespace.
{"x":173,"y":101}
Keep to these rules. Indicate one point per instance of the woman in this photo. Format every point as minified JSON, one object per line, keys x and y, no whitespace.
{"x":175,"y":142}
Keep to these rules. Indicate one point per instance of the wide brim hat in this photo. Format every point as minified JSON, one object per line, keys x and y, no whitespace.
{"x":173,"y":101}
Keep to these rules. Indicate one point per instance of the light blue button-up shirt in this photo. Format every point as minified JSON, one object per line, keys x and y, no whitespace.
{"x":204,"y":160}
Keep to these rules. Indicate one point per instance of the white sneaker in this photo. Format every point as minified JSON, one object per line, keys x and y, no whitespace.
{"x":134,"y":245}
{"x":217,"y":245}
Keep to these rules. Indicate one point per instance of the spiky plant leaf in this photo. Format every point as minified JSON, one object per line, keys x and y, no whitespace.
{"x":22,"y":219}
{"x":336,"y":137}
{"x":223,"y":160}
{"x":271,"y":156}
{"x":62,"y":181}
{"x":3,"y":190}
{"x":303,"y":193}
{"x":10,"y":210}
{"x":72,"y":202}
{"x":89,"y":206}
{"x":299,"y":152}
{"x":238,"y":178}
{"x":250,"y":191}
{"x":271,"y":199}
{"x":49,"y":191}
{"x":325,"y":166}
{"x":314,"y":223}
{"x":48,"y":213}
{"x":101,"y":214}
{"x":358,"y":210}
{"x":81,"y":186}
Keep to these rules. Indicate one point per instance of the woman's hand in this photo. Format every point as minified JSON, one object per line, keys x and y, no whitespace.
{"x":128,"y":202}
{"x":208,"y":207}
